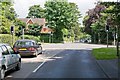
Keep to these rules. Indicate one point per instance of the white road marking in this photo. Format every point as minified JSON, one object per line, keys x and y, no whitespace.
{"x":43,"y":63}
{"x":39,"y":66}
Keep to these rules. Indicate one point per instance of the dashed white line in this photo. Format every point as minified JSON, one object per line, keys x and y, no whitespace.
{"x":39,"y":66}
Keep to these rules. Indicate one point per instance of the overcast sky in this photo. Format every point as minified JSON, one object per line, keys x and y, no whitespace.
{"x":22,"y":6}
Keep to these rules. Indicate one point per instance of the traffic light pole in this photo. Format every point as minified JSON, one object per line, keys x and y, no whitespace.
{"x":107,"y":38}
{"x":107,"y":31}
{"x":12,"y":37}
{"x":12,"y":33}
{"x":117,"y":42}
{"x":23,"y":33}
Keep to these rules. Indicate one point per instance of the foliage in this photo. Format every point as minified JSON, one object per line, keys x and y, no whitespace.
{"x":34,"y":29}
{"x":92,"y":16}
{"x":47,"y":38}
{"x":105,"y":13}
{"x":65,"y":32}
{"x":31,"y":37}
{"x":104,"y":53}
{"x":36,"y":12}
{"x":61,"y":15}
{"x":19,"y":26}
{"x":7,"y":38}
{"x":20,"y":23}
{"x":7,"y":16}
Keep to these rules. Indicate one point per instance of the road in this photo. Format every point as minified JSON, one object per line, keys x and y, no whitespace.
{"x":70,"y":60}
{"x":70,"y":64}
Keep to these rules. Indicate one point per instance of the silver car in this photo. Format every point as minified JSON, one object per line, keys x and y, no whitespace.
{"x":9,"y":59}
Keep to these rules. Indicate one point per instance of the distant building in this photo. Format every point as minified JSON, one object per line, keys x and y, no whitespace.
{"x":39,"y":21}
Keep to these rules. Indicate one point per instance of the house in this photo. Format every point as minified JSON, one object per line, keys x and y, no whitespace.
{"x":39,"y":21}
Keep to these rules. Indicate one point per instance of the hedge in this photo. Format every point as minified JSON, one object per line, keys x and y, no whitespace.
{"x":31,"y":37}
{"x":7,"y":38}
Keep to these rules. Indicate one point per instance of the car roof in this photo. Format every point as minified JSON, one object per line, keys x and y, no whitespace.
{"x":26,"y":40}
{"x":3,"y":44}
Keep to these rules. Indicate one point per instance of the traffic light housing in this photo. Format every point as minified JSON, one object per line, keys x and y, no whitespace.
{"x":107,"y":27}
{"x":12,"y":29}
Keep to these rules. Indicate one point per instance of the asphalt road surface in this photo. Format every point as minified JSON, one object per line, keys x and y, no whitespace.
{"x":70,"y":60}
{"x":70,"y":64}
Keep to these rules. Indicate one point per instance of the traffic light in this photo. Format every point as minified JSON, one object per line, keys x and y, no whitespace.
{"x":107,"y":27}
{"x":12,"y":29}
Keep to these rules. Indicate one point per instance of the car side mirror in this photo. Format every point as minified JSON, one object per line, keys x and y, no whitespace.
{"x":39,"y":43}
{"x":37,"y":46}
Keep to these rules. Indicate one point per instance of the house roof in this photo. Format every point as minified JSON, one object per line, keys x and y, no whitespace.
{"x":39,"y":21}
{"x":46,"y":30}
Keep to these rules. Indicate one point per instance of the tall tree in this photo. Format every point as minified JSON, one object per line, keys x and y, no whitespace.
{"x":7,"y":16}
{"x":92,"y":16}
{"x":95,"y":22}
{"x":60,"y":15}
{"x":36,"y":12}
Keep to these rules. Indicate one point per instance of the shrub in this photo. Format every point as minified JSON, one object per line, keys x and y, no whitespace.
{"x":31,"y":37}
{"x":7,"y":38}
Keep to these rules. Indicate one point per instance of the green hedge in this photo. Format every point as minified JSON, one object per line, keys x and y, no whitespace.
{"x":31,"y":37}
{"x":7,"y":38}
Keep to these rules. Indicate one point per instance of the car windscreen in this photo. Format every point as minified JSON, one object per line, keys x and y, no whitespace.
{"x":24,"y":43}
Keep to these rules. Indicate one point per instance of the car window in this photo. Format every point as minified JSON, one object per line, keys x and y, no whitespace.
{"x":1,"y":51}
{"x":10,"y":49}
{"x":5,"y":50}
{"x":24,"y":43}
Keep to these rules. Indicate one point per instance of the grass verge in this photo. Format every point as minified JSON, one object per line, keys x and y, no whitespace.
{"x":104,"y":53}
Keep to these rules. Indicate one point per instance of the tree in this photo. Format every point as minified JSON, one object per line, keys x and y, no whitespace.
{"x":36,"y":12}
{"x":95,"y":22}
{"x":19,"y":26}
{"x":8,"y":15}
{"x":34,"y":29}
{"x":92,"y":17}
{"x":61,"y":15}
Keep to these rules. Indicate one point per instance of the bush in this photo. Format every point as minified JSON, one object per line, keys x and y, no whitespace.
{"x":31,"y":37}
{"x":45,"y":38}
{"x":7,"y":38}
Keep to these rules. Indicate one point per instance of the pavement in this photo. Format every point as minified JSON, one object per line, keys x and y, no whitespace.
{"x":110,"y":67}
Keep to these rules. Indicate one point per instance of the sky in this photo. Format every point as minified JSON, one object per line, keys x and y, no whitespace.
{"x":22,"y":6}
